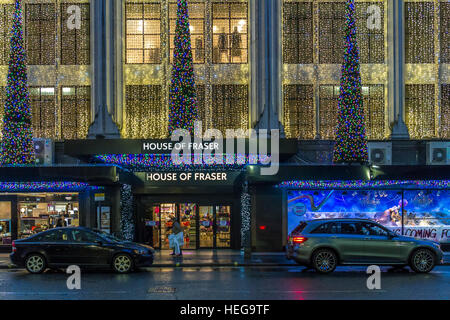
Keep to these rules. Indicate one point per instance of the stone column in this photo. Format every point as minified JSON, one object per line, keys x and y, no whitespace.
{"x":396,"y":75}
{"x":266,"y":64}
{"x":103,"y":52}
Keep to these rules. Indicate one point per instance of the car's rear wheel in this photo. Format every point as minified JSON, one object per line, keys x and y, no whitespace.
{"x":122,"y":263}
{"x":35,"y":263}
{"x":422,"y":261}
{"x":324,"y":261}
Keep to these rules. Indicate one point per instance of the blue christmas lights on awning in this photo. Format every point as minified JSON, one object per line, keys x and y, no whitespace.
{"x":363,"y":184}
{"x":42,"y":186}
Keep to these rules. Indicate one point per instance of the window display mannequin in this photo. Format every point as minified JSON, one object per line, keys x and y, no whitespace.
{"x":236,"y":43}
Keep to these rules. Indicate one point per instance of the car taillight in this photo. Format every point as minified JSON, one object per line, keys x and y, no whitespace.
{"x":14,"y":249}
{"x":299,"y":240}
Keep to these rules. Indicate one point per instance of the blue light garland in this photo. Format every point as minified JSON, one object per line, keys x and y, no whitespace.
{"x":362,"y":184}
{"x":45,"y":186}
{"x":164,"y":161}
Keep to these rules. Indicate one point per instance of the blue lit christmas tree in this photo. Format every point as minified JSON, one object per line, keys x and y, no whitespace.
{"x":351,"y":142}
{"x":183,"y":97}
{"x":17,"y":142}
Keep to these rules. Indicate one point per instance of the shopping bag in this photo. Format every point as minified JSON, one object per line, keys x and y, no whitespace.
{"x":171,"y":240}
{"x":180,"y":238}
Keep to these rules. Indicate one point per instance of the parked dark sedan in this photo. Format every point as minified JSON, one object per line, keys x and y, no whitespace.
{"x":62,"y":247}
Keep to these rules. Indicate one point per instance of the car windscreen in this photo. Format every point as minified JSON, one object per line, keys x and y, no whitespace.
{"x":107,"y":236}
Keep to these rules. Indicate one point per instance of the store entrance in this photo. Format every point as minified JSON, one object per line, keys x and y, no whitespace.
{"x":205,"y":226}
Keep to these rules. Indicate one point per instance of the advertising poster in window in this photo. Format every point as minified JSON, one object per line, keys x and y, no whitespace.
{"x":426,"y":213}
{"x":104,"y":216}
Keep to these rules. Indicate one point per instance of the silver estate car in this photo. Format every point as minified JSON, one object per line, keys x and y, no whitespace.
{"x":324,"y":244}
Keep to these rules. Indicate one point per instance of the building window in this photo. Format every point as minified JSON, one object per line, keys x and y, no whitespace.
{"x":145,"y":114}
{"x":331,"y":32}
{"x":420,"y":116}
{"x":40,"y":33}
{"x":75,"y":42}
{"x":2,"y":108}
{"x":230,"y":32}
{"x":373,"y":102}
{"x":445,"y":111}
{"x":75,"y":112}
{"x":43,"y":111}
{"x":370,"y":32}
{"x":6,"y":19}
{"x":419,"y":25}
{"x":230,"y":107}
{"x":445,"y":32}
{"x":297,"y":32}
{"x":5,"y":222}
{"x":143,"y":32}
{"x":197,"y":29}
{"x":328,"y":110}
{"x":299,"y":111}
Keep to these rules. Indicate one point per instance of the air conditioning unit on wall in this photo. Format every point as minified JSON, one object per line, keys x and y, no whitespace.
{"x":438,"y":153}
{"x":43,"y":150}
{"x":380,"y":153}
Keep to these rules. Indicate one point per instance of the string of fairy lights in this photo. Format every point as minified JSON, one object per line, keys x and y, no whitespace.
{"x":427,"y":28}
{"x":421,"y":24}
{"x":60,"y":102}
{"x":219,"y":38}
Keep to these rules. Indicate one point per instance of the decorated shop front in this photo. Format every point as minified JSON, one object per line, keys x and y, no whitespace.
{"x":50,"y":197}
{"x":204,"y":202}
{"x":420,"y":213}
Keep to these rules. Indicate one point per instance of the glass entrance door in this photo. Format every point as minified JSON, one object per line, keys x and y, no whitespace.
{"x":167,"y":212}
{"x":206,"y":226}
{"x":223,"y":226}
{"x":188,"y":221}
{"x":203,"y":226}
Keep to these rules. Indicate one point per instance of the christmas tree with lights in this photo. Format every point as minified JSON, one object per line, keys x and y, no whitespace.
{"x":183,"y":97}
{"x":17,"y":142}
{"x":351,"y":142}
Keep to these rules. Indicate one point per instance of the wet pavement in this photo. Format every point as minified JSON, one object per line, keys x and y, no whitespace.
{"x":241,"y":283}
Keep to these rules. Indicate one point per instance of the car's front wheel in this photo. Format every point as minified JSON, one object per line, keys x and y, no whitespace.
{"x":122,"y":263}
{"x":422,"y":261}
{"x":324,"y":261}
{"x":35,"y":263}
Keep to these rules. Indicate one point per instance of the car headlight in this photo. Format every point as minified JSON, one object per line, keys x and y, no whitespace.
{"x":140,"y":251}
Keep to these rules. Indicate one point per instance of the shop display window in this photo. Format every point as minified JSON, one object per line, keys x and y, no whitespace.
{"x":40,"y":212}
{"x":5,"y":222}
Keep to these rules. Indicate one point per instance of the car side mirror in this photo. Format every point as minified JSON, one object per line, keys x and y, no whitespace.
{"x":391,"y":235}
{"x":99,"y":243}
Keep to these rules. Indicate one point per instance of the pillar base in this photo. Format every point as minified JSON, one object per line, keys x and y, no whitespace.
{"x":400,"y":131}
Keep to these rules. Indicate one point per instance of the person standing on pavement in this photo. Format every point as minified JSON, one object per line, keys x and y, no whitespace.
{"x":177,"y":231}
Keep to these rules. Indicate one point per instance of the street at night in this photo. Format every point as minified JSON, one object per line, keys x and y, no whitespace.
{"x":235,"y":283}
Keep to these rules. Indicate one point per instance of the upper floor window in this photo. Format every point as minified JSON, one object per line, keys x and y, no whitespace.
{"x":197,"y":29}
{"x":331,"y":32}
{"x":230,"y":32}
{"x":40,"y":23}
{"x":75,"y":112}
{"x":43,"y":106}
{"x":419,"y":29}
{"x":445,"y":111}
{"x":297,"y":32}
{"x":328,"y":111}
{"x":6,"y":20}
{"x":230,"y":107}
{"x":75,"y":38}
{"x":419,"y":110}
{"x":143,"y":32}
{"x":445,"y":31}
{"x":299,"y":111}
{"x":373,"y":103}
{"x":370,"y":31}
